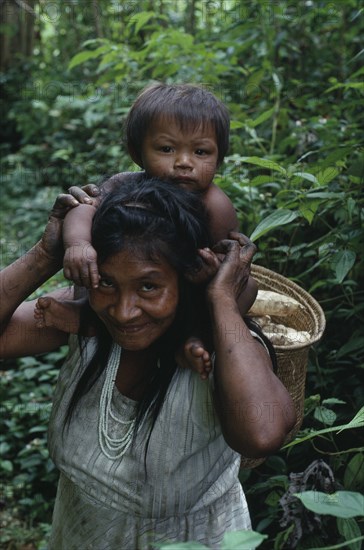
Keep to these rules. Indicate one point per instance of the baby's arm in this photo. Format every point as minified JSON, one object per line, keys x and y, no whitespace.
{"x":80,"y":258}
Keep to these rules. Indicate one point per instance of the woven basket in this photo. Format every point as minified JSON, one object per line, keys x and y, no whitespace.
{"x":292,"y":358}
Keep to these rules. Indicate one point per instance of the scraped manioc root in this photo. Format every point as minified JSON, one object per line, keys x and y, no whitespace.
{"x":282,"y":335}
{"x":268,"y":302}
{"x":272,"y":304}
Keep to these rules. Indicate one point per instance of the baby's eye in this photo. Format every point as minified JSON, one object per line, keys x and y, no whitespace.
{"x":201,"y":152}
{"x":166,"y":149}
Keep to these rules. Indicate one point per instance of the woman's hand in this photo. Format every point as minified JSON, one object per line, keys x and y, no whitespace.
{"x":88,"y":194}
{"x":234,"y":266}
{"x":51,"y":241}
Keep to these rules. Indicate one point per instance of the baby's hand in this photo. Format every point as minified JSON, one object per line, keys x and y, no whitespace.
{"x":80,"y":265}
{"x":194,"y":356}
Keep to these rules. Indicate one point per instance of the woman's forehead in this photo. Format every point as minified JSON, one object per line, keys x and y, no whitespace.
{"x":135,"y":259}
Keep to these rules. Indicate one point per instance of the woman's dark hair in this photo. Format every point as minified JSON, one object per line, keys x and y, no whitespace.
{"x":189,"y":105}
{"x":154,"y":219}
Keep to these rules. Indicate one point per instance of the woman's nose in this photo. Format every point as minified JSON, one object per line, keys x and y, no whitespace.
{"x":125,"y":309}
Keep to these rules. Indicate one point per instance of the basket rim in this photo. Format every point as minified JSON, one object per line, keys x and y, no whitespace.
{"x":313,"y":307}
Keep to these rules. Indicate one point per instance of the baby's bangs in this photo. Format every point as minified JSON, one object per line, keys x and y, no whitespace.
{"x":188,"y":118}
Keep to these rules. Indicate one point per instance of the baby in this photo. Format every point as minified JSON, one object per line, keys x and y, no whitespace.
{"x":179,"y":133}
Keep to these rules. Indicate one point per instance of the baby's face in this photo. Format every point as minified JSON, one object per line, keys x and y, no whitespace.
{"x":188,"y":158}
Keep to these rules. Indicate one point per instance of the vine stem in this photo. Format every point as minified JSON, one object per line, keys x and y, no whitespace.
{"x":275,"y":122}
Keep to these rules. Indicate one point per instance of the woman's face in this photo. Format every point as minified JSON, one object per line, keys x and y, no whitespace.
{"x":136,"y":299}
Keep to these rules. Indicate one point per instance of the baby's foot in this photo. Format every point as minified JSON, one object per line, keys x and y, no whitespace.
{"x":196,"y":357}
{"x":63,"y":316}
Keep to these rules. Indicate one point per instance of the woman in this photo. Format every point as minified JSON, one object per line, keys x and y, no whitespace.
{"x":148,"y":452}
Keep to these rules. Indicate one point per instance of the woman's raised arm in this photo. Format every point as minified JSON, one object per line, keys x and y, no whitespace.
{"x":18,"y":333}
{"x":255,"y":409}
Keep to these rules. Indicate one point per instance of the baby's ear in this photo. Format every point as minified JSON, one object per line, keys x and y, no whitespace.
{"x":135,"y":157}
{"x":200,"y":275}
{"x":193,"y":275}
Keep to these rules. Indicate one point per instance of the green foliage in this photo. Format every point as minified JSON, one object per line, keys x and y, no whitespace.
{"x":29,"y":478}
{"x":291,"y":76}
{"x":343,"y":504}
{"x":236,"y":540}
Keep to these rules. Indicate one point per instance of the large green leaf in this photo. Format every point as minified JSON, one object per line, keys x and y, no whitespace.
{"x":261,"y":118}
{"x":181,"y":546}
{"x":276,"y":219}
{"x":327,"y":175}
{"x":306,"y":175}
{"x":342,"y":262}
{"x":81,"y":57}
{"x":325,"y":415}
{"x":140,"y":19}
{"x":356,"y":422}
{"x":354,"y":473}
{"x":342,"y":504}
{"x":347,"y":544}
{"x":264,"y":163}
{"x":237,"y":540}
{"x":350,"y":530}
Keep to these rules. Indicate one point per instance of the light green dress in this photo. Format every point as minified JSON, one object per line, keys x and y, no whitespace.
{"x":187,"y":490}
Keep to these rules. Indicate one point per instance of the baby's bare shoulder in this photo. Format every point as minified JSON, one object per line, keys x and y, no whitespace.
{"x":222,"y":214}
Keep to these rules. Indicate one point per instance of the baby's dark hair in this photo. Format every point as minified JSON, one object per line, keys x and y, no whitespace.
{"x":154,"y":220}
{"x":188,"y":104}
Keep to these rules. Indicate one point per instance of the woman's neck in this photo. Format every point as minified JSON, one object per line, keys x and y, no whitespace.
{"x":134,"y":372}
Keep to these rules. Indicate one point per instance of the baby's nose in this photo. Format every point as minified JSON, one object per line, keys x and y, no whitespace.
{"x":183,"y":160}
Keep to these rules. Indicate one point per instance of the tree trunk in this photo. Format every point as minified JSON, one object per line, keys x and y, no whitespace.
{"x":190,"y":21}
{"x":17,"y":21}
{"x":97,"y":12}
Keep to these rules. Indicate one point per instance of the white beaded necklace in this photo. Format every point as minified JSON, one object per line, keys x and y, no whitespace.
{"x":112,"y":447}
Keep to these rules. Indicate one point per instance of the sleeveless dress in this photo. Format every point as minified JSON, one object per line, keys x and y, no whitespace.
{"x":186,"y":489}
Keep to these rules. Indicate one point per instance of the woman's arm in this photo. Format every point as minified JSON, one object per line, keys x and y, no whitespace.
{"x":18,"y":334}
{"x":255,"y":409}
{"x":222,"y":221}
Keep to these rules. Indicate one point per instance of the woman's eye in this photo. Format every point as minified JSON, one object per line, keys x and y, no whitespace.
{"x":147,"y":287}
{"x":104,"y":283}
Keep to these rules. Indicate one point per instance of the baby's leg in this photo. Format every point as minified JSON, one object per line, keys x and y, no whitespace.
{"x":62,"y":315}
{"x":196,"y":357}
